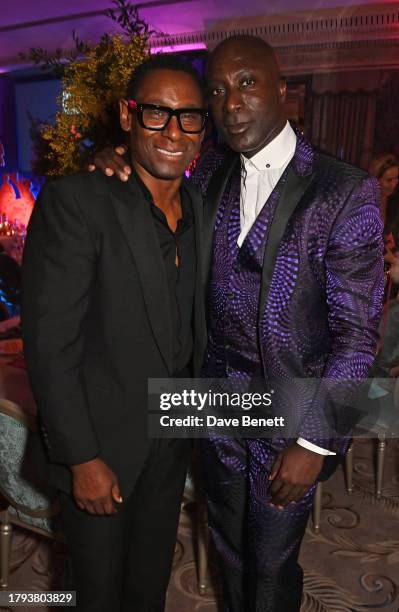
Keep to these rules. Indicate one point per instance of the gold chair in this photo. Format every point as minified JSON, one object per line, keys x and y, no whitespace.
{"x":317,"y":502}
{"x":194,"y":494}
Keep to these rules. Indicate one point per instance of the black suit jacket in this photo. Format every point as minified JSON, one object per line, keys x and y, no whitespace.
{"x":96,"y":320}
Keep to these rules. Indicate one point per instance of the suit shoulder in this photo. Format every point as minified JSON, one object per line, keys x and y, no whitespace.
{"x":210,"y":160}
{"x":87,"y":192}
{"x":343,"y":187}
{"x":334,"y":168}
{"x":81,"y":182}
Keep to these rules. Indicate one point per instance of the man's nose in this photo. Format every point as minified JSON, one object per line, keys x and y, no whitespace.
{"x":232,"y":101}
{"x":172,"y":130}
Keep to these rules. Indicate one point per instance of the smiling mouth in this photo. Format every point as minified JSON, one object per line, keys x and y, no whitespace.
{"x":169,"y":153}
{"x":238,"y":128}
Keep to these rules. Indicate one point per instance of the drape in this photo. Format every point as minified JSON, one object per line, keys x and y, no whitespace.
{"x":343,"y":125}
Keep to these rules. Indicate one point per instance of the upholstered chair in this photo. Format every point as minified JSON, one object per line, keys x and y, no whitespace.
{"x":24,"y":500}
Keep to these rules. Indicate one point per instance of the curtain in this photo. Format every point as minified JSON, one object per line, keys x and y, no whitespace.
{"x":387,"y":116}
{"x":343,"y":125}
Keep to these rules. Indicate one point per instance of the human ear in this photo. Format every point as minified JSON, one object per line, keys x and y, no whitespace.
{"x":125,"y":117}
{"x":282,"y":88}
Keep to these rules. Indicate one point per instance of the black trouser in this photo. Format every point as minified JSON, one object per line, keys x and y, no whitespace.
{"x":122,"y":562}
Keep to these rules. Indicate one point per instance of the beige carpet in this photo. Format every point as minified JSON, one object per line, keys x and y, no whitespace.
{"x":351,"y":566}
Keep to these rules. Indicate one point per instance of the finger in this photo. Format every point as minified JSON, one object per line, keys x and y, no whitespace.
{"x":91,"y":167}
{"x":118,"y":164}
{"x":289,"y":494}
{"x":120,"y":171}
{"x":276,"y":485}
{"x":109,"y":162}
{"x":98,"y":506}
{"x":295,"y":494}
{"x":276,"y":467}
{"x":121,"y":149}
{"x":79,"y":504}
{"x":108,"y":506}
{"x":279,"y":499}
{"x":276,"y":507}
{"x":302,"y":491}
{"x":116,"y":494}
{"x":89,"y":507}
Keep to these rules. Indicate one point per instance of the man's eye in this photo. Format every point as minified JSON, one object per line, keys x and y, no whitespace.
{"x":247,"y":83}
{"x":155,"y":113}
{"x":217,"y":91}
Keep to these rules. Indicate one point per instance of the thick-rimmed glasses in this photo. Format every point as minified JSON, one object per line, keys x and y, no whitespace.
{"x":156,"y":117}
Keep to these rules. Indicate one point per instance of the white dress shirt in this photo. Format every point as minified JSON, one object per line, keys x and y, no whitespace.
{"x":259,"y":176}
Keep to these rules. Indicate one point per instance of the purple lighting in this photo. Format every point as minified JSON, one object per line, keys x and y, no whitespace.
{"x":177,"y":48}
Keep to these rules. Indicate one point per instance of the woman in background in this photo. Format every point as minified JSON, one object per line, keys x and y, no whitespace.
{"x":386,"y":169}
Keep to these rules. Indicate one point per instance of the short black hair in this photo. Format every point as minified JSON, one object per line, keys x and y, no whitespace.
{"x":165,"y":61}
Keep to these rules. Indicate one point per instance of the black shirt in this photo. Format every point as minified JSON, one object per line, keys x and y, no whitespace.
{"x":180,"y":279}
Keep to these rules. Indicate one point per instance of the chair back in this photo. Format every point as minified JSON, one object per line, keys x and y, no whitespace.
{"x":31,"y":501}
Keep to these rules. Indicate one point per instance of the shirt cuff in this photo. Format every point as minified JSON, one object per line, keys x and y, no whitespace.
{"x":313,"y":447}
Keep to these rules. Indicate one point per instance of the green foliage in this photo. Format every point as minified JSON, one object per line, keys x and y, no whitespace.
{"x":94,"y":80}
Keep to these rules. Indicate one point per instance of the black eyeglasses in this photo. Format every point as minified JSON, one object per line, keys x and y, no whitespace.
{"x":156,"y":117}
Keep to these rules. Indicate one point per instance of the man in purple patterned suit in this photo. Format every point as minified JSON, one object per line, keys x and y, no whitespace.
{"x":295,"y":290}
{"x":293,"y":265}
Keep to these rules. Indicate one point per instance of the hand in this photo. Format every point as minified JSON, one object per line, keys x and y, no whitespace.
{"x":294,"y":471}
{"x":110,"y":161}
{"x":389,"y":256}
{"x":394,"y":270}
{"x":95,"y":487}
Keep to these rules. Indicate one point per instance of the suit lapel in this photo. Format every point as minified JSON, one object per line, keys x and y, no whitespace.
{"x":135,"y":218}
{"x":213,"y":197}
{"x":292,"y":191}
{"x":199,"y":302}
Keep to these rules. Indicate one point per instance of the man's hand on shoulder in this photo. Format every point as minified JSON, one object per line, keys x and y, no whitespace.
{"x":111,"y":161}
{"x":295,"y":470}
{"x":95,"y":487}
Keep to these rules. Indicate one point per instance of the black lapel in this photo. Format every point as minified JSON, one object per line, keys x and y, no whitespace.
{"x":293,"y":190}
{"x":199,"y":301}
{"x":215,"y":191}
{"x":135,"y":218}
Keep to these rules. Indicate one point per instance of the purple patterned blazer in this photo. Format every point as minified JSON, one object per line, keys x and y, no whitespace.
{"x":321,"y":283}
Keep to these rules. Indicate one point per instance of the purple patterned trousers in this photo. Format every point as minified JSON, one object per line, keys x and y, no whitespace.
{"x":258,"y":545}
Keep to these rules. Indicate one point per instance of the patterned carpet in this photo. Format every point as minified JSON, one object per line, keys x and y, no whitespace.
{"x":351,"y":566}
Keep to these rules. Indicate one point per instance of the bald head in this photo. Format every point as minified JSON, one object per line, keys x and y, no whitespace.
{"x":248,"y":46}
{"x":246,"y":93}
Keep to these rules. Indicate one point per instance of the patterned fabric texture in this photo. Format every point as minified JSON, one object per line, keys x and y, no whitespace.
{"x":351,"y":566}
{"x":301,"y":299}
{"x":320,"y":319}
{"x":18,"y":483}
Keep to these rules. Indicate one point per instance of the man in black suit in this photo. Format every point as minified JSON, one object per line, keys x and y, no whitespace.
{"x":111,"y":297}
